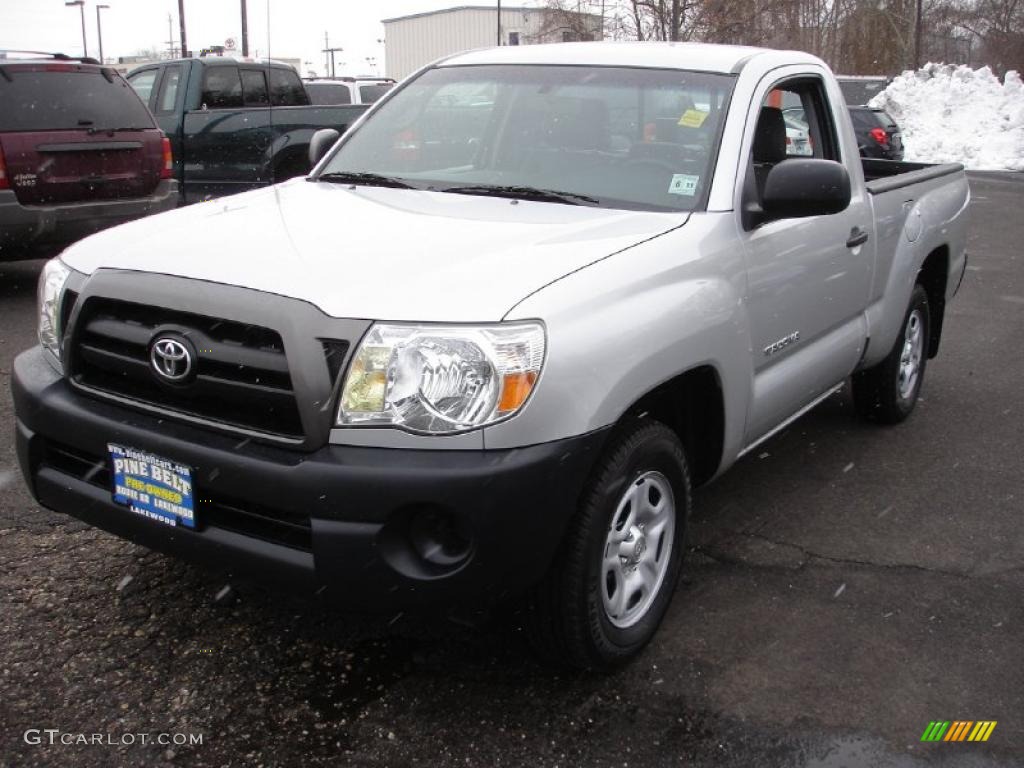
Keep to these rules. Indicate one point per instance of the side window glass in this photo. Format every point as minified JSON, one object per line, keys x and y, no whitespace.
{"x":806,"y":119}
{"x":143,"y":83}
{"x":286,"y":89}
{"x":254,"y":88}
{"x":169,"y":90}
{"x":222,"y":88}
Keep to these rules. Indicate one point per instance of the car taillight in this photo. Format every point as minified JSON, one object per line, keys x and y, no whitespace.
{"x":878,"y":134}
{"x":167,"y":167}
{"x":4,"y":182}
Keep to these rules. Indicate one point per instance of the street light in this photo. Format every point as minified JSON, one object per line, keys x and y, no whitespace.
{"x":99,"y":29}
{"x":81,"y":9}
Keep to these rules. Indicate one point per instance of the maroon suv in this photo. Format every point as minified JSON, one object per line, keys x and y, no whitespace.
{"x":79,"y":152}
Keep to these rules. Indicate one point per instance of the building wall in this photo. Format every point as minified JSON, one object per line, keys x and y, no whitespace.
{"x":415,"y":41}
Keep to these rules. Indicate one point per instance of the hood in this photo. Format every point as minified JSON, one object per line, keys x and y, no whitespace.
{"x":374,"y":253}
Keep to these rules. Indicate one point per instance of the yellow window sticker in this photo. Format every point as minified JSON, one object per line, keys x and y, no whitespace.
{"x":693,"y":118}
{"x":684,"y":184}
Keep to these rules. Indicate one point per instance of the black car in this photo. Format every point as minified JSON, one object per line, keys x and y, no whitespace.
{"x":878,"y":135}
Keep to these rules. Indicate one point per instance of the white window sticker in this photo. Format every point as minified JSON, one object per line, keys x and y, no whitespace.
{"x":684,"y":184}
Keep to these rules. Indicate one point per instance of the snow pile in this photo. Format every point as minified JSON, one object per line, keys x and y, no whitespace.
{"x":959,"y":115}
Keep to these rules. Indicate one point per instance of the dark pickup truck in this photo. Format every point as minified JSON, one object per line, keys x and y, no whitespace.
{"x":234,"y":125}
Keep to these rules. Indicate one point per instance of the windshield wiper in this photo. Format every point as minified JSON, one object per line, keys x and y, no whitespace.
{"x":367,"y":179}
{"x":524,"y":193}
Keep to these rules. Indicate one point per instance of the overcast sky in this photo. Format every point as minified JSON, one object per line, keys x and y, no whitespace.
{"x":281,"y":28}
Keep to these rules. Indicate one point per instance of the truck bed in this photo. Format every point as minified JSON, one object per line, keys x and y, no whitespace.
{"x":887,"y":175}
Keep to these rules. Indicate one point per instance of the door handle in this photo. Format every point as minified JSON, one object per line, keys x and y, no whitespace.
{"x":857,"y":237}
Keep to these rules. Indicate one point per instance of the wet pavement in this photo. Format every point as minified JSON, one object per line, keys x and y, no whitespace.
{"x":848,"y":584}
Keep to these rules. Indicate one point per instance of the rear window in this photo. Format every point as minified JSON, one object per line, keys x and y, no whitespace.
{"x":322,"y":93}
{"x":49,"y":100}
{"x":286,"y":88}
{"x":887,"y":122}
{"x":370,"y":93}
{"x":863,"y":119}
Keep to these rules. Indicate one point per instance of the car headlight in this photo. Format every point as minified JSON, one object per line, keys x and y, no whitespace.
{"x":51,"y":287}
{"x":441,"y":379}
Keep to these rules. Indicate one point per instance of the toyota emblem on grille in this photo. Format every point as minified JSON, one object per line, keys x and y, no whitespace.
{"x":170,"y":359}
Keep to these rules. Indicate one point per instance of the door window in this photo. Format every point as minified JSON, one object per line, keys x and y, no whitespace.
{"x":222,"y":88}
{"x":809,"y":128}
{"x":169,"y":90}
{"x":143,"y":83}
{"x":254,"y":88}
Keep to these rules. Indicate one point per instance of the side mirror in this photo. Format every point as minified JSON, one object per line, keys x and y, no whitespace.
{"x":799,"y":188}
{"x":322,"y":141}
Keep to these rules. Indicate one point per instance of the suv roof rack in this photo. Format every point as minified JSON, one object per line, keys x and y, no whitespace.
{"x":353,"y":79}
{"x":50,"y":54}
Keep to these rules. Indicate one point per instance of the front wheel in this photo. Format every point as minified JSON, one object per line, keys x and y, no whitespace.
{"x":614,"y":575}
{"x":888,"y":392}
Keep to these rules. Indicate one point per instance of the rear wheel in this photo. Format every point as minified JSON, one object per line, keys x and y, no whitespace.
{"x":614,"y":575}
{"x":888,"y":392}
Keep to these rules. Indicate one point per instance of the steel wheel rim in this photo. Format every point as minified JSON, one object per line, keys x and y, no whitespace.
{"x":912,"y":354}
{"x":637,"y":549}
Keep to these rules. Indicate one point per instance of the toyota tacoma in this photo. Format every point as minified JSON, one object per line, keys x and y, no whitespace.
{"x":492,"y":342}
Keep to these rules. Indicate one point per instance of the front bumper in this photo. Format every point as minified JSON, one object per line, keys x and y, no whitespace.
{"x":337,"y":521}
{"x":38,"y":231}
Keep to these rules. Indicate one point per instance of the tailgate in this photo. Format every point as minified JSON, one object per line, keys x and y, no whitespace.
{"x":51,"y":167}
{"x":73,"y":132}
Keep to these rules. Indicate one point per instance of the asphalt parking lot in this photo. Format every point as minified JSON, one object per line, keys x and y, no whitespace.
{"x":847,"y":585}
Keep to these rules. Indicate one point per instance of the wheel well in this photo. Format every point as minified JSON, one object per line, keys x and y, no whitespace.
{"x":932,"y":278}
{"x":692,"y":405}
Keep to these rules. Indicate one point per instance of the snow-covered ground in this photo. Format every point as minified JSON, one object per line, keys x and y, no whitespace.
{"x":957,"y":114}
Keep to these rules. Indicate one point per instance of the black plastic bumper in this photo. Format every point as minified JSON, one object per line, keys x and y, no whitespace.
{"x":37,"y":231}
{"x":343,"y":522}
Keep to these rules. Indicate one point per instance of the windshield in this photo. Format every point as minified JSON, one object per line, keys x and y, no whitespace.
{"x":609,"y":136}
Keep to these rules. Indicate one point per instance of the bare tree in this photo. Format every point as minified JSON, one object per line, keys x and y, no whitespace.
{"x":854,"y":36}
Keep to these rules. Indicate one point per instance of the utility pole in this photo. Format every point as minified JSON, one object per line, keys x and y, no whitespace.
{"x":170,"y":36}
{"x":331,"y":51}
{"x":499,"y":22}
{"x":917,"y":37}
{"x":81,"y":9}
{"x":181,"y":23}
{"x":99,"y":29}
{"x":245,"y":32}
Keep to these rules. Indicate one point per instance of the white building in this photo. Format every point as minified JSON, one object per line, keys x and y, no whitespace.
{"x":412,"y":41}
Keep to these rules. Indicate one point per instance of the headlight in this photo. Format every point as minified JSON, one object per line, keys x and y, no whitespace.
{"x":441,"y":379}
{"x":51,"y":286}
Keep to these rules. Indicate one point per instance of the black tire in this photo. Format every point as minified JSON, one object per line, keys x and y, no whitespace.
{"x":566,"y":618}
{"x":877,"y":391}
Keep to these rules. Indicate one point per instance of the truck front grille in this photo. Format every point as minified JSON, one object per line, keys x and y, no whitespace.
{"x":241,"y":377}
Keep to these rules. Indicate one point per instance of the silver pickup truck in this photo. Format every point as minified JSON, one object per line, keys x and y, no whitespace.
{"x":490,"y":345}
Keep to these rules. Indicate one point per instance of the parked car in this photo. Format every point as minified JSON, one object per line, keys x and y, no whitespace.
{"x":860,"y":89}
{"x":234,"y":125}
{"x":78,"y":152}
{"x":878,"y":135}
{"x":347,"y":90}
{"x":798,"y":139}
{"x":493,"y":362}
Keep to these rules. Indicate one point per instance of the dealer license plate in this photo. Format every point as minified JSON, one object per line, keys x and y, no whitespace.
{"x":152,"y":486}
